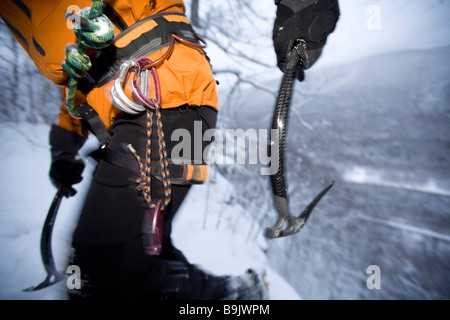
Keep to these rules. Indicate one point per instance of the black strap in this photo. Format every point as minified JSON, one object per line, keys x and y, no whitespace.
{"x":115,"y":18}
{"x":92,"y":121}
{"x":117,"y":159}
{"x":127,"y":161}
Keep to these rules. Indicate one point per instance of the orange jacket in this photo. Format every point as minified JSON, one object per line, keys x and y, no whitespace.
{"x":41,"y":29}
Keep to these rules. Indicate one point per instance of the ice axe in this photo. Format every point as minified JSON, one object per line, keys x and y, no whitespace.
{"x":280,"y":192}
{"x":53,"y":275}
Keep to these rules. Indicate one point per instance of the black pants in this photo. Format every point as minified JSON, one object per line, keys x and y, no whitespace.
{"x":107,"y":243}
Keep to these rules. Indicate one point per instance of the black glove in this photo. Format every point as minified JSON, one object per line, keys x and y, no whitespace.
{"x":308,"y":20}
{"x":67,"y":166}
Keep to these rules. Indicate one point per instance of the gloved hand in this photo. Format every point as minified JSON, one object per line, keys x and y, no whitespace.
{"x":66,"y":166}
{"x":308,"y":20}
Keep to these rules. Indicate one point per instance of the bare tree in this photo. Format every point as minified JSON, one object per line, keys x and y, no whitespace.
{"x":241,"y":32}
{"x":25,"y":95}
{"x":195,"y":19}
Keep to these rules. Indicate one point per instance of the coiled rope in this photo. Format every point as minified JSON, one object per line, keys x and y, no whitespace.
{"x":97,"y":32}
{"x":153,"y":106}
{"x":145,"y":179}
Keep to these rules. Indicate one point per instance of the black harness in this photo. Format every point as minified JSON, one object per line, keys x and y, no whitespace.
{"x":105,"y":67}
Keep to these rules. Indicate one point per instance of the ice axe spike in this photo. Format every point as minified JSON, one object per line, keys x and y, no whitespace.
{"x":294,"y":223}
{"x":53,"y":276}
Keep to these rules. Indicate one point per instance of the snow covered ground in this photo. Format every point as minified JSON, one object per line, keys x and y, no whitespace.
{"x":383,"y":140}
{"x":380,"y":128}
{"x":26,"y":194}
{"x":373,"y":115}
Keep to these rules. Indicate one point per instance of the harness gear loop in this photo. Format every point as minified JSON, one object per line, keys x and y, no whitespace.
{"x":120,"y":99}
{"x":97,"y":33}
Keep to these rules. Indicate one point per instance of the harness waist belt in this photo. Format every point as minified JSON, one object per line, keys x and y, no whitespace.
{"x":180,"y":174}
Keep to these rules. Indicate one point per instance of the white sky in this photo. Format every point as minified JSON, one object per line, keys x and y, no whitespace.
{"x":366,"y":28}
{"x":373,"y":27}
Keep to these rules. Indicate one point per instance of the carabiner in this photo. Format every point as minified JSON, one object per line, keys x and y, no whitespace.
{"x":143,"y":91}
{"x":120,"y":99}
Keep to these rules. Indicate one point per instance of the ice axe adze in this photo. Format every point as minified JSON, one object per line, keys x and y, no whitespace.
{"x":280,"y":192}
{"x":53,"y":276}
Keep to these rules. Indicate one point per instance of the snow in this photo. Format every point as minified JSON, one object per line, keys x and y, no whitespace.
{"x":26,"y":194}
{"x":372,"y":115}
{"x":370,"y":176}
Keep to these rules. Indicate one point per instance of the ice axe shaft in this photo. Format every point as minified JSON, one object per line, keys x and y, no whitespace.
{"x":280,"y":192}
{"x":53,"y":276}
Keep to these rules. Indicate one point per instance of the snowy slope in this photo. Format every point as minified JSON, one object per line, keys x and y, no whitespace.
{"x":25,"y":196}
{"x":384,"y":139}
{"x":380,"y":128}
{"x":377,"y":124}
